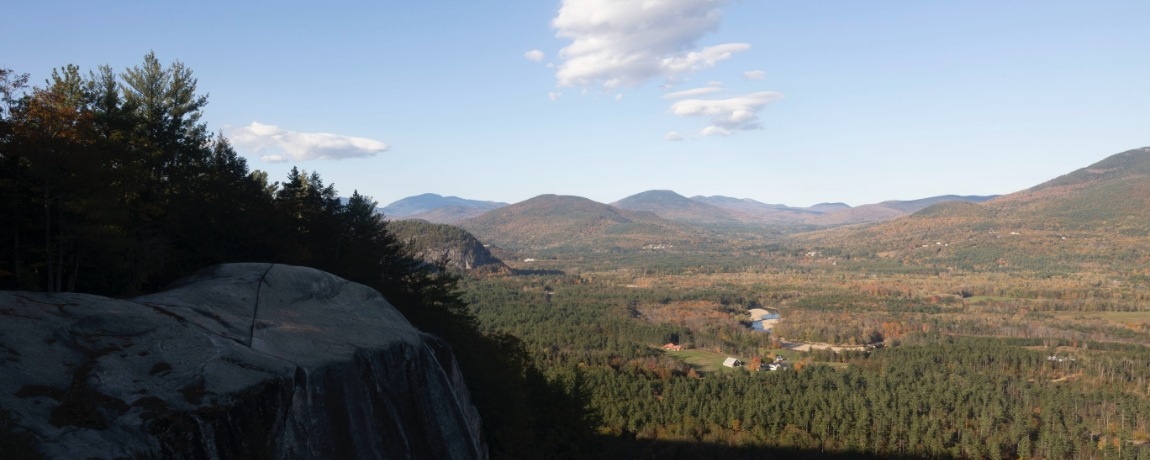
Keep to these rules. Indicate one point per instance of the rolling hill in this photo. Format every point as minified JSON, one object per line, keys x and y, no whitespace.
{"x":553,"y":222}
{"x":913,"y":206}
{"x":1092,"y":218}
{"x":823,"y":214}
{"x":841,"y":214}
{"x":673,"y":206}
{"x":451,"y":215}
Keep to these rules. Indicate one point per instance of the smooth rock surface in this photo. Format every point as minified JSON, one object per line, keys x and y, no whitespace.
{"x":238,"y":360}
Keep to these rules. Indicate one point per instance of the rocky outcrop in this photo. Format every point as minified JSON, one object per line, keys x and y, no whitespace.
{"x":455,"y":248}
{"x":237,"y":361}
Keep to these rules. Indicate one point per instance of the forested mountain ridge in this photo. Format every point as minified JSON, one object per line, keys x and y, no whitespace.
{"x":1097,"y":216}
{"x":1094,"y":197}
{"x":444,"y":244}
{"x":569,"y":222}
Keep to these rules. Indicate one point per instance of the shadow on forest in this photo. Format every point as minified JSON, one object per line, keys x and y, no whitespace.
{"x":626,"y":447}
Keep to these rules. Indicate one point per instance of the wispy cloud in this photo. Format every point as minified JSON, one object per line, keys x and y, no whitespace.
{"x":693,"y":92}
{"x":729,"y":115}
{"x":673,"y":136}
{"x":275,"y":144}
{"x":618,"y":44}
{"x":534,"y":55}
{"x":754,"y":75}
{"x":708,"y":57}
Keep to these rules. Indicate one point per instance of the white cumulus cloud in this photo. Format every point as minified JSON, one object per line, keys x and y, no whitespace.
{"x":534,"y":55}
{"x":618,"y":43}
{"x":754,"y":75}
{"x":740,"y":113}
{"x":275,"y":144}
{"x":673,"y":136}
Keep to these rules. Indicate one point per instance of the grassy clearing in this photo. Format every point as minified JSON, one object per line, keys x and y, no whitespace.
{"x":981,"y":299}
{"x":709,"y":361}
{"x":702,"y":360}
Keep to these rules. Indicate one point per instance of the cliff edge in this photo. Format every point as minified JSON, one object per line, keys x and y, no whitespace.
{"x":236,"y":361}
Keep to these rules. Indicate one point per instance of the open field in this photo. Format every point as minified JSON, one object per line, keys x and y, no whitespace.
{"x":1122,"y":317}
{"x":704,"y":361}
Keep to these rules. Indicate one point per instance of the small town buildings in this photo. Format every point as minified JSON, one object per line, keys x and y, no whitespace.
{"x":732,"y":362}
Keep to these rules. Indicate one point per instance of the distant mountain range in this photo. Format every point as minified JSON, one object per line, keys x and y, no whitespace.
{"x":720,"y":209}
{"x":437,"y":208}
{"x":675,"y":207}
{"x":1095,"y":215}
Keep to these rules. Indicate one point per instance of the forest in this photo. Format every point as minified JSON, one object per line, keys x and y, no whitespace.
{"x":111,"y":184}
{"x":962,"y":375}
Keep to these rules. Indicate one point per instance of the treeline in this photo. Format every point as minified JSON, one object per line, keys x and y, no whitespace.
{"x":963,"y":398}
{"x":111,"y":184}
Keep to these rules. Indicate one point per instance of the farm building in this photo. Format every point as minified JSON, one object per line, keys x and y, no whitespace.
{"x":732,"y":362}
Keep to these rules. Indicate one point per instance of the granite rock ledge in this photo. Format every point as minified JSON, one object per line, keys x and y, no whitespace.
{"x":235,"y":361}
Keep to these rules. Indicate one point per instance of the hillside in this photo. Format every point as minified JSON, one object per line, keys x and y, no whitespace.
{"x":454,"y":246}
{"x":420,"y":206}
{"x":673,"y":206}
{"x":553,"y":222}
{"x":451,"y":215}
{"x":913,"y":206}
{"x":1097,"y":217}
{"x":840,"y":214}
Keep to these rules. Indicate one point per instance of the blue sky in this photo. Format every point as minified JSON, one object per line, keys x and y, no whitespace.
{"x":782,"y":102}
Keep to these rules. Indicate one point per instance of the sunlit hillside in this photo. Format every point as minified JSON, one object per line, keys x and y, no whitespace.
{"x":1095,"y":218}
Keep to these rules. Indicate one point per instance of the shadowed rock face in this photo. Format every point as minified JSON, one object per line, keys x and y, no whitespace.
{"x":240,"y":360}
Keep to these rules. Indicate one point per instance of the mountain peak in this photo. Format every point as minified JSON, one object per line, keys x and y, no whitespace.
{"x":568,"y":222}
